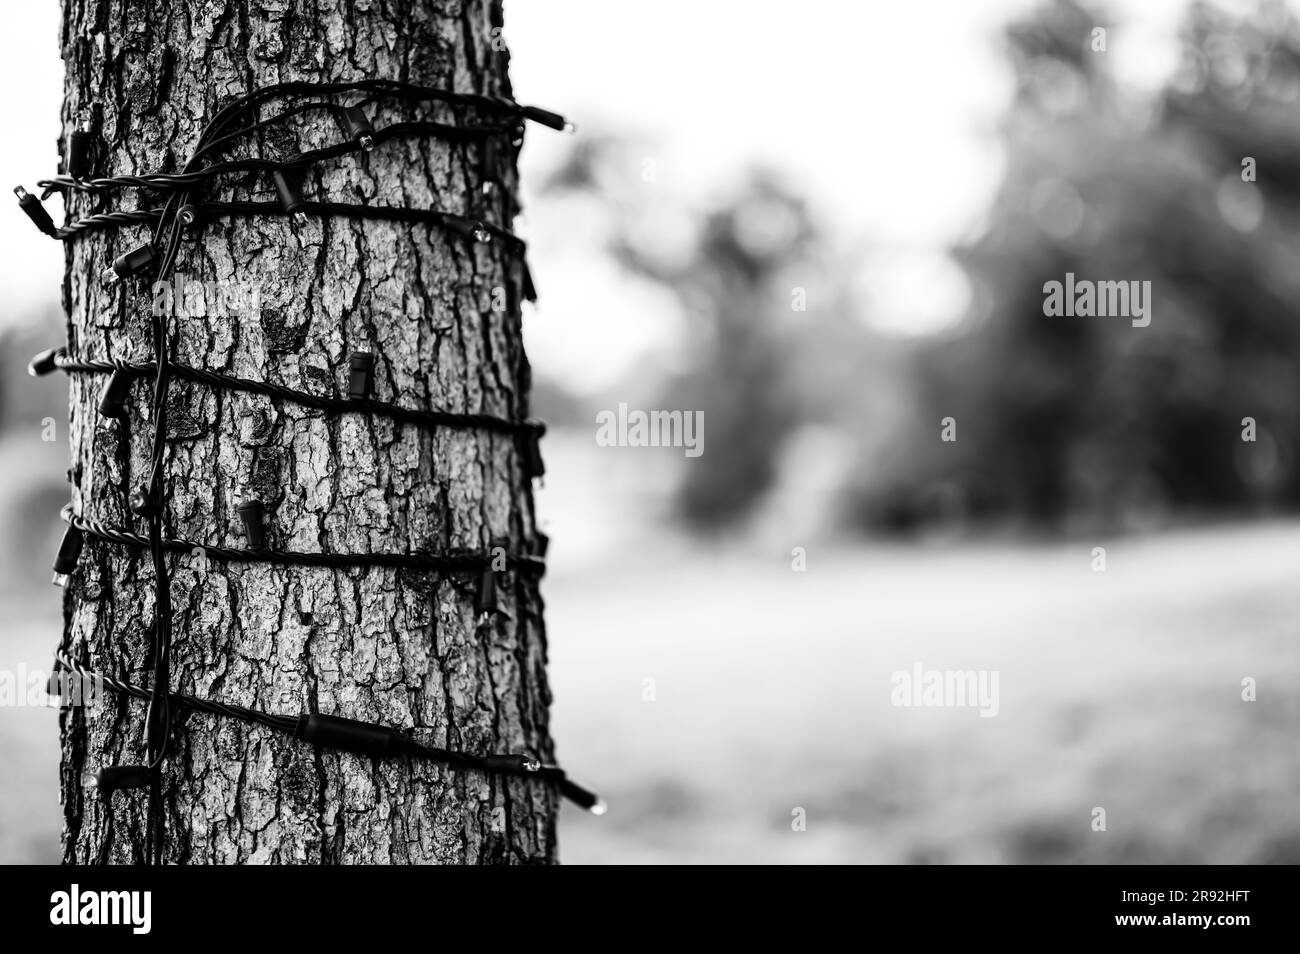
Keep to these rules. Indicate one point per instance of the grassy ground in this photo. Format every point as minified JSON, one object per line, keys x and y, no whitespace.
{"x":1119,"y":690}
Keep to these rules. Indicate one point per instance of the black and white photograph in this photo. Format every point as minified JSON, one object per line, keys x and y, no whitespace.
{"x":442,"y":433}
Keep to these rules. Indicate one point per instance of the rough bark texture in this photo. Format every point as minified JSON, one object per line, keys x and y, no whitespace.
{"x":396,"y":647}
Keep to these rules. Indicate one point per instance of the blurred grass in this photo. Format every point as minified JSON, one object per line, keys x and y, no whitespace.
{"x":1118,"y":689}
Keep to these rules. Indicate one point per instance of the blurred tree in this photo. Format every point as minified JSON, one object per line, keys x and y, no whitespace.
{"x":739,"y":375}
{"x":732,"y":275}
{"x":1092,"y":419}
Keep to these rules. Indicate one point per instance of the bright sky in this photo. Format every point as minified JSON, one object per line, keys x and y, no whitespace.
{"x":881,"y":113}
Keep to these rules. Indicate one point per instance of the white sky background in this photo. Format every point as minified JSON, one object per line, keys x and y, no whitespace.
{"x":883,"y":114}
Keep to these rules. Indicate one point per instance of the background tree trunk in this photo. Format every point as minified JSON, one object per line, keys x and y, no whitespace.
{"x":397,"y":647}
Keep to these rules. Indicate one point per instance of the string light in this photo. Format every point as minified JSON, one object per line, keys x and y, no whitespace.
{"x":488,"y":165}
{"x":359,"y":128}
{"x":487,"y":600}
{"x":113,"y":777}
{"x":361,"y":375}
{"x":333,"y":732}
{"x":44,"y":363}
{"x":69,"y":553}
{"x":35,"y":211}
{"x":548,"y":118}
{"x":290,"y":198}
{"x":193,"y":213}
{"x":79,"y":144}
{"x":113,"y":401}
{"x":181,"y":210}
{"x":144,"y":503}
{"x":175,"y":181}
{"x":453,"y":562}
{"x":57,"y":359}
{"x":130,"y":264}
{"x":250,"y":513}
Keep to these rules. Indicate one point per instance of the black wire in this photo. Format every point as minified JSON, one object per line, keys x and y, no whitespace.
{"x":453,"y":562}
{"x":391,"y":87}
{"x":290,"y":724}
{"x":244,"y":714}
{"x":165,"y":181}
{"x":279,"y":392}
{"x":334,"y":108}
{"x":459,"y":224}
{"x":105,"y":220}
{"x":158,"y":717}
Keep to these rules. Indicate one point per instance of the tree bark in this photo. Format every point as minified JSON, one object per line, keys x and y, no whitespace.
{"x":402,"y":648}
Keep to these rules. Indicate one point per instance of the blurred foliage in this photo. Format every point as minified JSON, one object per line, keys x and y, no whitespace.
{"x":1070,"y":422}
{"x":730,"y":287}
{"x":732,"y":270}
{"x":1062,"y":423}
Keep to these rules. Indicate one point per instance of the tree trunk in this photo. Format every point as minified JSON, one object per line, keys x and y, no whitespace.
{"x":399,"y":647}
